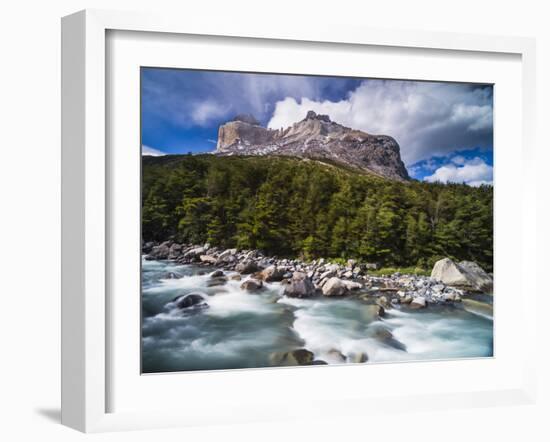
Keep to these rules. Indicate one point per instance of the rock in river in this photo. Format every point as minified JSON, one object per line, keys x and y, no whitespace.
{"x":272,"y":273}
{"x":252,"y":285}
{"x":191,"y":300}
{"x":299,"y":286}
{"x":246,"y":267}
{"x":294,"y":357}
{"x":334,"y":287}
{"x":467,"y":274}
{"x":418,"y":302}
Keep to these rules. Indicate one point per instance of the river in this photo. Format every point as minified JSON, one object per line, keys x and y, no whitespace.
{"x":245,"y":330}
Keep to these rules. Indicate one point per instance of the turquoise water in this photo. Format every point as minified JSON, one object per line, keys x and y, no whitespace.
{"x":244,"y":330}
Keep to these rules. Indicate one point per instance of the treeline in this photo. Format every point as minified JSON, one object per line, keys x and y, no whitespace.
{"x":300,"y":208}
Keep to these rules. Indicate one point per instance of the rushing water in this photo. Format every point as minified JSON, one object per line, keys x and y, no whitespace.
{"x":242,"y":329}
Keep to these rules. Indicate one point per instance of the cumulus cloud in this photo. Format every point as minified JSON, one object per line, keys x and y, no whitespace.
{"x":474,"y":172}
{"x":426,"y":118}
{"x":147,"y":150}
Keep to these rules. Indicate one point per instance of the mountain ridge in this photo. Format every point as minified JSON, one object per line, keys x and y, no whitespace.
{"x":315,"y":137}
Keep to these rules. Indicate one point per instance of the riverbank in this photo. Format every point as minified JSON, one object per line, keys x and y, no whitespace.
{"x":452,"y":283}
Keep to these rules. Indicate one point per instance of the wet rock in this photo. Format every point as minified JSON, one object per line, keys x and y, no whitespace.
{"x":299,"y":286}
{"x":208,"y":259}
{"x":292,"y":358}
{"x":318,"y":362}
{"x":418,"y":303}
{"x":382,"y":333}
{"x":215,"y":282}
{"x":272,"y":274}
{"x":383,"y":302}
{"x":171,"y":275}
{"x":357,"y":358}
{"x":235,"y":277}
{"x":334,"y":287}
{"x":252,"y":285}
{"x":190,"y":301}
{"x":246,"y":267}
{"x":386,"y":337}
{"x":217,"y":274}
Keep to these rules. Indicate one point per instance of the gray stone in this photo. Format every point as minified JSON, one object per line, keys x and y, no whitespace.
{"x":299,"y":286}
{"x":334,"y":287}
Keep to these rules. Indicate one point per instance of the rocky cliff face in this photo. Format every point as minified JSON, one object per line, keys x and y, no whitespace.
{"x":315,"y":137}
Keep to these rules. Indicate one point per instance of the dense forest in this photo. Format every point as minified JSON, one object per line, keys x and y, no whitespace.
{"x":302,"y":208}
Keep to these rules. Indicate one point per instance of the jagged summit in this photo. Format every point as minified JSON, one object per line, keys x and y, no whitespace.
{"x":246,"y":118}
{"x":315,"y":137}
{"x":311,"y":115}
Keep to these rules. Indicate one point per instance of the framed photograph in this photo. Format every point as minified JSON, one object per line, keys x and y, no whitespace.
{"x":275,"y":223}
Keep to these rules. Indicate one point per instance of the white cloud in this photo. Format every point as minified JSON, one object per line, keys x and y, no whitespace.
{"x":147,"y":150}
{"x":427,"y":119}
{"x":474,"y":172}
{"x":459,"y":159}
{"x":206,"y":112}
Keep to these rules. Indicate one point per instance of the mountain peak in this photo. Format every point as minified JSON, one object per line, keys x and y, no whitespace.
{"x":312,"y":115}
{"x":246,"y":118}
{"x":314,"y":137}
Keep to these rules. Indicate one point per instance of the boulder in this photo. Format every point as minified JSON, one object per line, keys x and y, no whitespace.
{"x":418,"y":302}
{"x":479,"y":277}
{"x":190,"y":301}
{"x":252,"y":285}
{"x":194,"y":252}
{"x":226,"y":254}
{"x":214,"y":282}
{"x":351,"y":285}
{"x":208,"y":259}
{"x":294,"y":357}
{"x":272,"y":273}
{"x":334,"y":287}
{"x":246,"y":267}
{"x":383,"y":302}
{"x":175,"y":251}
{"x":235,"y":277}
{"x":299,"y":286}
{"x":328,"y":274}
{"x":467,"y":275}
{"x":162,"y":251}
{"x":217,"y":274}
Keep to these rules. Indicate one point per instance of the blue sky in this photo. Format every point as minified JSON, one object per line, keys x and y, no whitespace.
{"x":445,"y":130}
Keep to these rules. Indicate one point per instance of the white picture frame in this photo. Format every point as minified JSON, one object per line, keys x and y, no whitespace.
{"x":86,"y":316}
